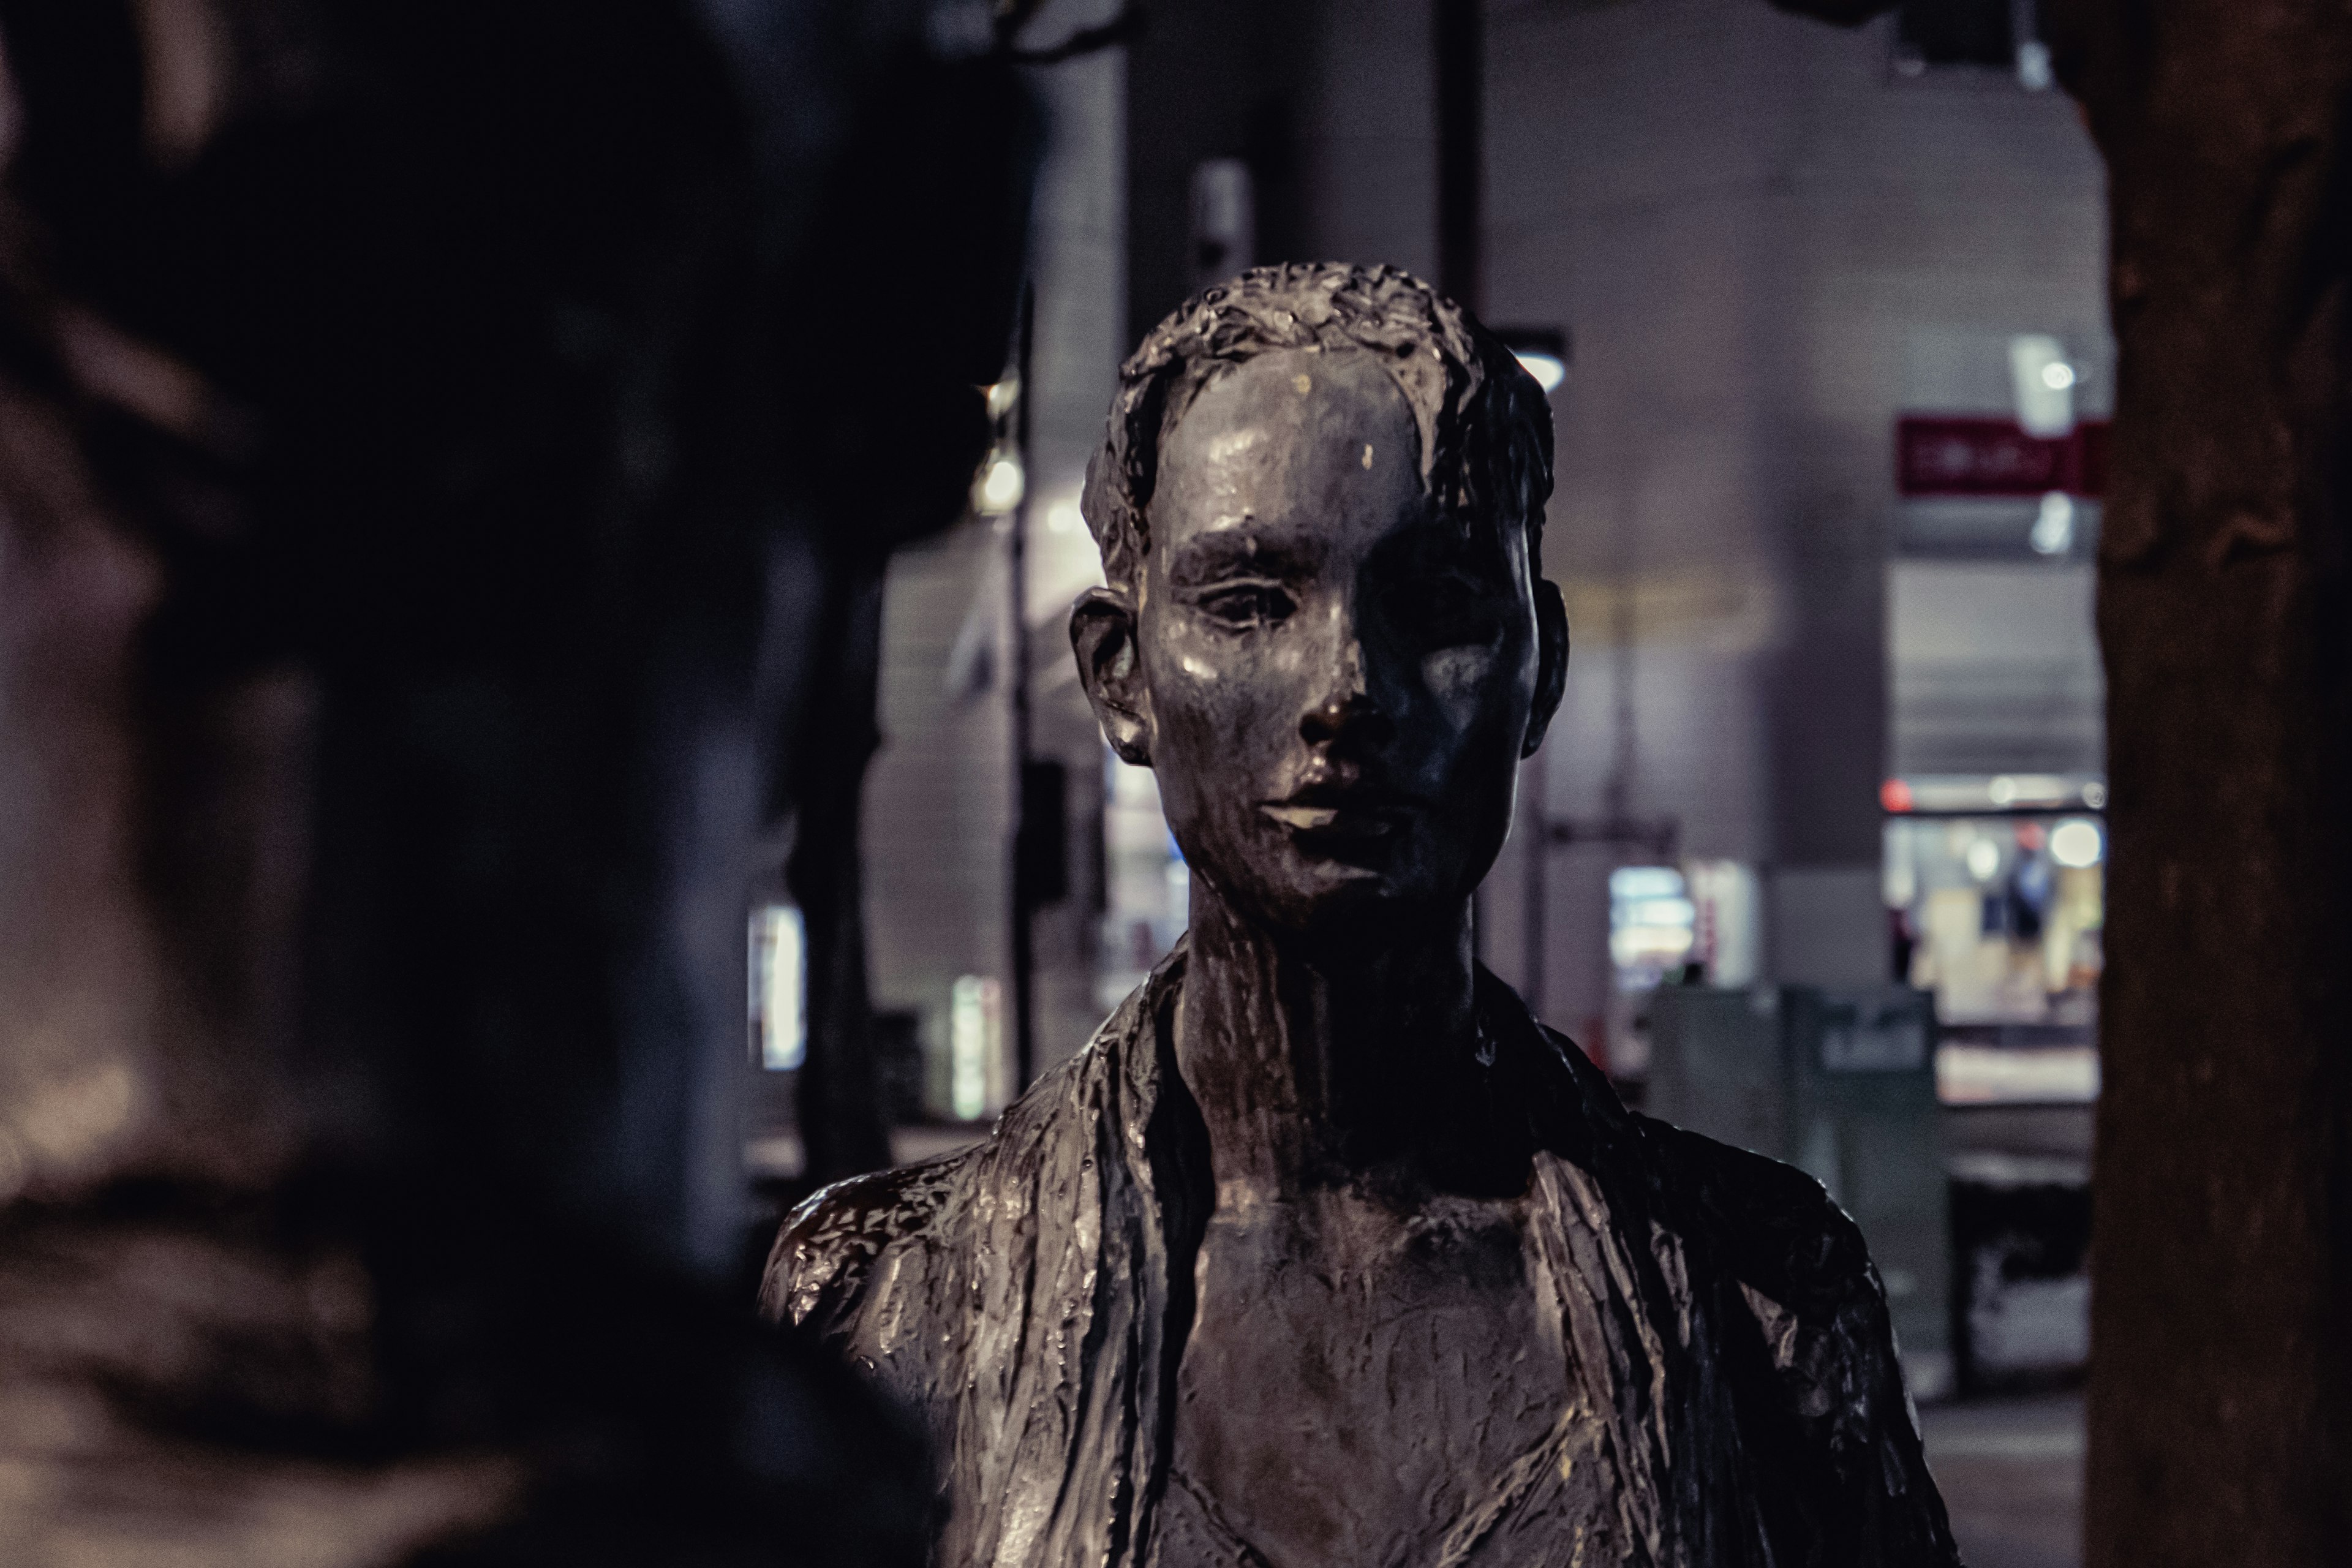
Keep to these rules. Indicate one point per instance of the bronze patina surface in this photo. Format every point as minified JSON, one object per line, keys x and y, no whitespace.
{"x":1325,"y":1250}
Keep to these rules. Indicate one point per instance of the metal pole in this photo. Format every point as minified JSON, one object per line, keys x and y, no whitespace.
{"x":1025,"y":1024}
{"x":1459,"y":44}
{"x":1457,"y":50}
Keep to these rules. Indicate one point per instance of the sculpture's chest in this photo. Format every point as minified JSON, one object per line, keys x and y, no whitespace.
{"x":1356,"y":1379}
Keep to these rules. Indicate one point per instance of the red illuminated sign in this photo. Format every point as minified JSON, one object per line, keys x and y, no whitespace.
{"x":1964,"y":455}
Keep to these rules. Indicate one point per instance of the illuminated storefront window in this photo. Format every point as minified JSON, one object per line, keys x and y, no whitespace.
{"x":1652,"y":924}
{"x":1995,"y":891}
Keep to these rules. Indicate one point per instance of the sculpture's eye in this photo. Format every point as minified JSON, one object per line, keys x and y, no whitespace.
{"x":1242,"y":604}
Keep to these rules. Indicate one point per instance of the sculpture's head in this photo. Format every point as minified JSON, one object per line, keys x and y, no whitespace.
{"x":1326,"y":629}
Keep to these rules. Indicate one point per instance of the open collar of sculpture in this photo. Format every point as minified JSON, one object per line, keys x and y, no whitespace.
{"x":1029,"y":1298}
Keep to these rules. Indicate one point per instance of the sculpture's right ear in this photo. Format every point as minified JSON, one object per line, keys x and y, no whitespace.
{"x":1102,"y":632}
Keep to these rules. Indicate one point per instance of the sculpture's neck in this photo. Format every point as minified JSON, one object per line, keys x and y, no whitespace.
{"x":1307,"y":1064}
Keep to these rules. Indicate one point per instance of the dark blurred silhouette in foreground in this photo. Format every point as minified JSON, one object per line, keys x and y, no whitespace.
{"x":443,"y":448}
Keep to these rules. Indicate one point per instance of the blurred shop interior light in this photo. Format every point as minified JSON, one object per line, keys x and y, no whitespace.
{"x":2076,"y":843}
{"x":1971,"y":794}
{"x":2031,"y":790}
{"x":2045,"y":383}
{"x":780,"y":987}
{"x":1653,"y":923}
{"x":974,"y":1038}
{"x":1983,"y":859}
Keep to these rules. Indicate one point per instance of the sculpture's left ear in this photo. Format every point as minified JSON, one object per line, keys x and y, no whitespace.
{"x":1551,"y":662}
{"x":1102,"y":634}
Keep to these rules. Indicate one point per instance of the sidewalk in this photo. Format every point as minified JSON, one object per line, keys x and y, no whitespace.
{"x":2011,"y":1474}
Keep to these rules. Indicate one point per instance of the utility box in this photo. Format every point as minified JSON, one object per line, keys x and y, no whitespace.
{"x":1841,"y":1084}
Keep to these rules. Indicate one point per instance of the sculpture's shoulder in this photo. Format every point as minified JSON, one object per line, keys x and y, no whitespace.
{"x":1777,"y":1227}
{"x":1804,"y":1278}
{"x":897,"y":1271}
{"x":1767,"y":1224}
{"x":1772,"y":1225}
{"x":866,"y":1254}
{"x":829,"y":1250}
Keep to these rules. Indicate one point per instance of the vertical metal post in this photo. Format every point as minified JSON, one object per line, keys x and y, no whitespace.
{"x":1459,"y":44}
{"x":1025,"y":1024}
{"x":1457,"y":48}
{"x":1617,"y":796}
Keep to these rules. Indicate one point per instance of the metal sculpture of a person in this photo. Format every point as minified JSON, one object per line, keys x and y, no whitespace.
{"x":1324,"y":1251}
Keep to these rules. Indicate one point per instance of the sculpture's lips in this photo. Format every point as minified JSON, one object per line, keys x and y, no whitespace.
{"x":1339,"y":812}
{"x":1325,"y":818}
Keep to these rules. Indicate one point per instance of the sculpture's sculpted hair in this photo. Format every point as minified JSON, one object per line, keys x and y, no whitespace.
{"x":1485,"y":429}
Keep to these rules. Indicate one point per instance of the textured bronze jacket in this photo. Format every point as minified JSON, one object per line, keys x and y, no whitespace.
{"x":1740,"y":1399}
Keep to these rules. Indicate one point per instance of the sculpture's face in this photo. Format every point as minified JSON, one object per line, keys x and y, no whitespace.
{"x":1334,"y":685}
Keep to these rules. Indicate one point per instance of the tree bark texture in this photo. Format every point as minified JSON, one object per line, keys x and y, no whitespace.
{"x":2219,"y":1387}
{"x":2221,"y":1374}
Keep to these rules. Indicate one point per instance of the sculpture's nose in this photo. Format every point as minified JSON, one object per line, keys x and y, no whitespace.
{"x":1347,"y":711}
{"x":1355,"y":719}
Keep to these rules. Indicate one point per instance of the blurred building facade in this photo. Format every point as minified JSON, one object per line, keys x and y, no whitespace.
{"x":941,"y":794}
{"x":1769,"y":241}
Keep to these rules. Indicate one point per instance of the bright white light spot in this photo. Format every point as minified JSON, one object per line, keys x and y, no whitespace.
{"x":2034,"y":66}
{"x":1632,"y":946}
{"x":1547,"y":369}
{"x":1000,"y":486}
{"x":1064,"y":517}
{"x":2045,"y":403}
{"x":2003,"y":791}
{"x":1003,"y":395}
{"x":2075,"y":842}
{"x":780,"y":987}
{"x":2054,"y":528}
{"x":973,"y":1027}
{"x":1983,"y":860}
{"x":1629,"y":882}
{"x":1994,"y":1075}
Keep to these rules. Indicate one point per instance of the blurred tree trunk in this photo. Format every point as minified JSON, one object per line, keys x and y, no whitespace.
{"x":2221,"y":1322}
{"x":2221,"y":1309}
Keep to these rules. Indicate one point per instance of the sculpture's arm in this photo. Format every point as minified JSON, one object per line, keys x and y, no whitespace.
{"x":1804,"y":1273}
{"x":824,"y":1258}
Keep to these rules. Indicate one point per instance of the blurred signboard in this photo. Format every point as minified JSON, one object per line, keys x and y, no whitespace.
{"x":1978,"y":455}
